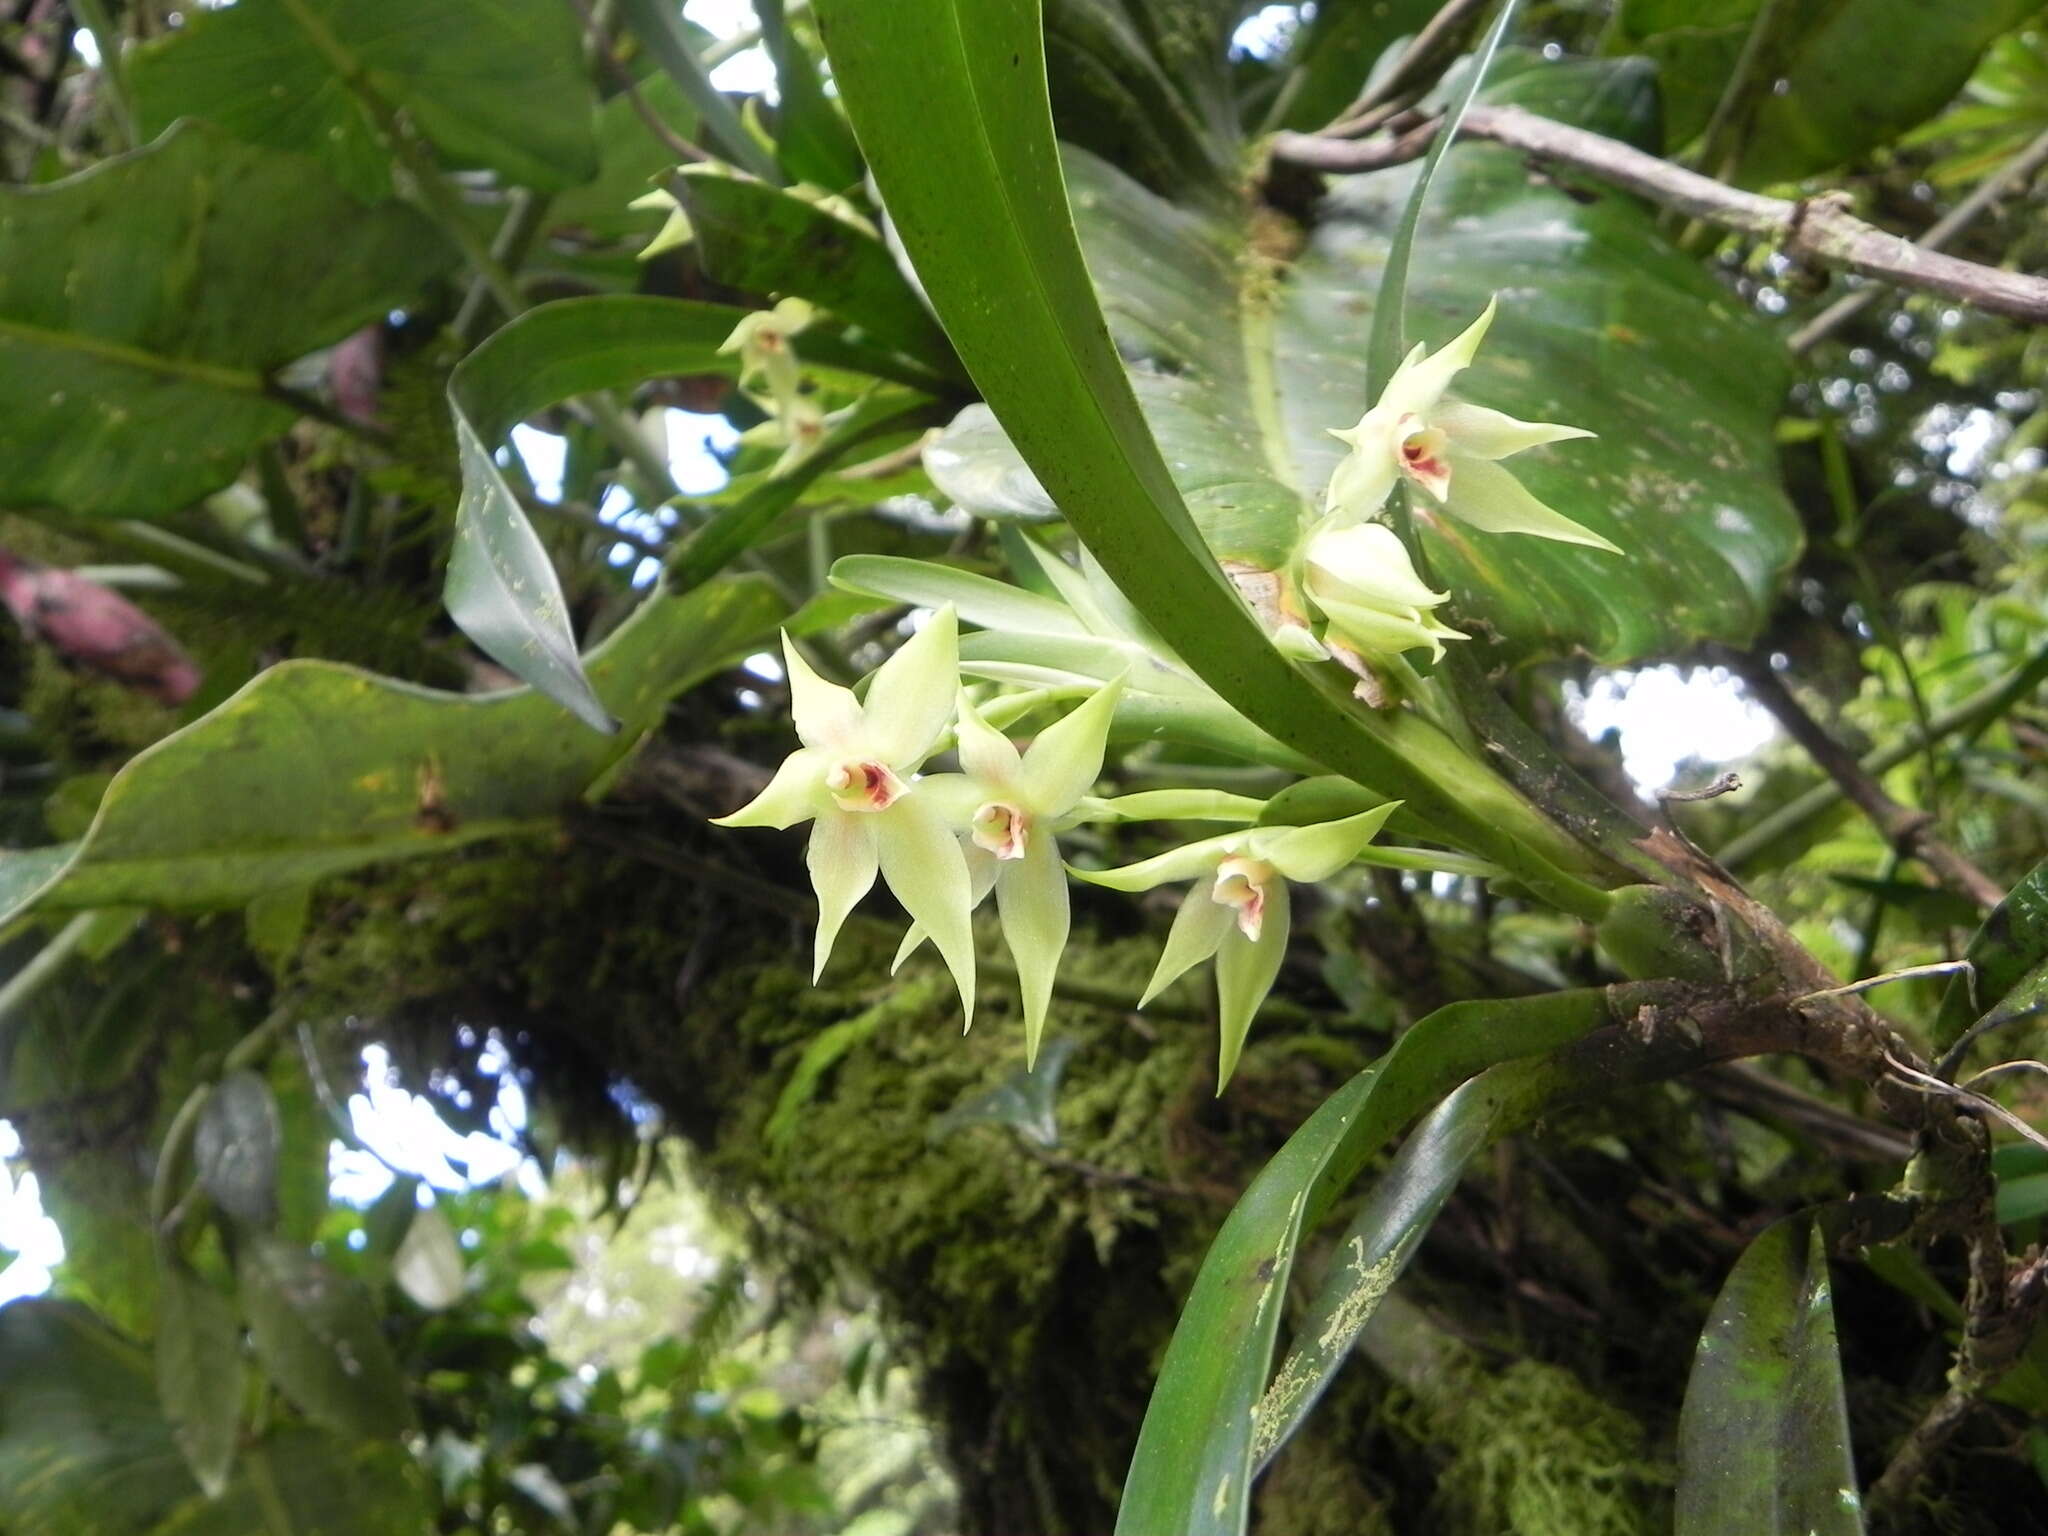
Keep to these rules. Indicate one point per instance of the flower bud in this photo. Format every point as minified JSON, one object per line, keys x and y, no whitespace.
{"x":1366,"y":586}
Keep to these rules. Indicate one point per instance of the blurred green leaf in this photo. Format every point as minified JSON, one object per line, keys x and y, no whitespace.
{"x":1027,"y":1101}
{"x":1837,"y":79}
{"x":813,"y":140}
{"x":1329,"y":62}
{"x":770,"y":242}
{"x":1763,"y":1441}
{"x":235,"y":1147}
{"x":315,"y":768}
{"x":141,"y":318}
{"x":498,"y":84}
{"x":199,"y":1372}
{"x":664,"y":34}
{"x":319,"y":1339}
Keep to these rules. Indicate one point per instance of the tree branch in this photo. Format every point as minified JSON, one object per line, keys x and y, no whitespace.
{"x":1970,"y":715}
{"x":1909,"y":831}
{"x":1819,"y":231}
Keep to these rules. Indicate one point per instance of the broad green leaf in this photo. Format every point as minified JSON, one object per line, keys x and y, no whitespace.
{"x":1840,"y":79}
{"x":761,"y":239}
{"x":306,"y":1482}
{"x":199,"y":1372}
{"x":1242,"y":361}
{"x":1763,"y":1441}
{"x":499,"y":84}
{"x":988,"y":230}
{"x":235,"y":1148}
{"x":501,"y":588}
{"x":663,"y":33}
{"x":315,"y":768}
{"x":141,"y":314}
{"x":2007,"y":956}
{"x":319,"y":1339}
{"x":630,"y":161}
{"x":1195,"y":1458}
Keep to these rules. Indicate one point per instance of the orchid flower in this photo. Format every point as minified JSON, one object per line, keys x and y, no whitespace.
{"x":1365,"y":584}
{"x":854,"y":779}
{"x":1238,"y":909}
{"x":1011,"y":806}
{"x":1450,"y":449}
{"x":763,"y":340}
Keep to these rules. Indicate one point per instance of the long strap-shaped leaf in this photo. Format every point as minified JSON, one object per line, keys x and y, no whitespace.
{"x":1763,"y":1441}
{"x":967,"y":163}
{"x":1194,"y":1463}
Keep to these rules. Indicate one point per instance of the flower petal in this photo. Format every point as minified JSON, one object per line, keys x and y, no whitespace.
{"x":1066,"y":759}
{"x":1419,"y":383}
{"x":1370,"y":560}
{"x":1316,"y":852}
{"x":1363,"y":478}
{"x":1182,"y":863}
{"x":1376,"y":632}
{"x":1494,"y":501}
{"x":1480,"y":433}
{"x":1031,"y":898}
{"x":841,"y":857}
{"x":1245,"y":971}
{"x":989,"y":756}
{"x":912,"y":696}
{"x":982,"y":869}
{"x":921,"y":860}
{"x":1198,"y":927}
{"x":793,"y":795}
{"x":825,"y":714}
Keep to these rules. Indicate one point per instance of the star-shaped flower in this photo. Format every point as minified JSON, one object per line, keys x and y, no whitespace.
{"x":1450,"y":449}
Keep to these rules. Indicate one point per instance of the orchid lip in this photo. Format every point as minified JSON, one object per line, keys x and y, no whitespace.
{"x":1003,"y":830}
{"x":1242,"y":883}
{"x":862,"y":785}
{"x":1425,"y":456}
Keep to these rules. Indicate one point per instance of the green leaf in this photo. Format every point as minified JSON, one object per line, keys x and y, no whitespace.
{"x":199,"y":1372}
{"x":2008,"y":956}
{"x":988,"y":229}
{"x":1027,"y":1101}
{"x":1843,"y":78}
{"x":1763,"y":1441}
{"x":315,"y":768}
{"x":662,"y":32}
{"x":498,"y":84}
{"x":981,"y":600}
{"x":319,"y":1339}
{"x":1243,"y":361}
{"x":83,"y":1449}
{"x":761,"y":239}
{"x":235,"y":1147}
{"x":1327,"y":68}
{"x":631,"y":160}
{"x":501,"y":588}
{"x":1194,"y":1463}
{"x":1148,"y":81}
{"x":812,"y":139}
{"x":1376,"y":1247}
{"x":146,"y":387}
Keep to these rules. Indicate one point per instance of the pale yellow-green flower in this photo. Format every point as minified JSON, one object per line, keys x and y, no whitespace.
{"x":1450,"y":449}
{"x":854,"y":779}
{"x":1238,"y":908}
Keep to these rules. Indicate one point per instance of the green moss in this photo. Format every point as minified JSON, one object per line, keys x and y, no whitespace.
{"x":1532,"y":1452}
